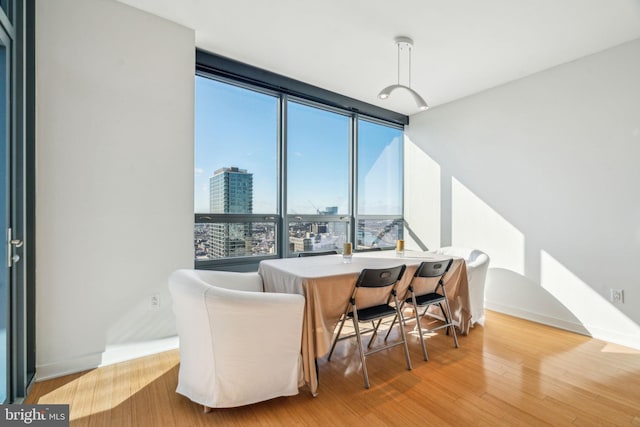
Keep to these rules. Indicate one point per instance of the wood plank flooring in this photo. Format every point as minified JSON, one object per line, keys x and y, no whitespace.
{"x":510,"y":372}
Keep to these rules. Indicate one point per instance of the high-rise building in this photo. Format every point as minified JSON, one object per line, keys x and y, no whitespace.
{"x":230,"y":191}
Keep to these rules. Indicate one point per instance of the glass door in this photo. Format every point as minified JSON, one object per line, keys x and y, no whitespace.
{"x":5,"y":280}
{"x":14,"y":323}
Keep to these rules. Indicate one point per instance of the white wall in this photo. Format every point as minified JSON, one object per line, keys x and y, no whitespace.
{"x":543,"y":175}
{"x":114,"y":176}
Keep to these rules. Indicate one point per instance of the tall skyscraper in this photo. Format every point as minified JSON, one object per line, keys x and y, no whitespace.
{"x":231,"y":191}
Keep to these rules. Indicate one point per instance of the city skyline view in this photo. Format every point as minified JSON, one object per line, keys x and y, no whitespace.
{"x":231,"y":191}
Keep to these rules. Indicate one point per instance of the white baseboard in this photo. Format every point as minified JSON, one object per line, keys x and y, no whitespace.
{"x":67,"y":367}
{"x":588,"y":330}
{"x":123,"y":352}
{"x":112,"y":354}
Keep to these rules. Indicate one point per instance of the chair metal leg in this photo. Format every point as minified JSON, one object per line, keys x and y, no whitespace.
{"x":335,"y":339}
{"x":419,"y":325}
{"x":446,"y":318}
{"x":393,"y":322}
{"x":450,"y":321}
{"x":403,"y":335}
{"x":449,"y":317}
{"x":362,"y":355}
{"x":375,"y":331}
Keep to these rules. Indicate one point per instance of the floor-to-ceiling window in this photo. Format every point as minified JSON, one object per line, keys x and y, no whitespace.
{"x":236,"y":172}
{"x":318,"y":144}
{"x":379,"y":190}
{"x":277,"y":174}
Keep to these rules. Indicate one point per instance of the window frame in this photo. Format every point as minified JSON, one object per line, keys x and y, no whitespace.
{"x":357,"y":216}
{"x":289,"y":218}
{"x":227,"y":73}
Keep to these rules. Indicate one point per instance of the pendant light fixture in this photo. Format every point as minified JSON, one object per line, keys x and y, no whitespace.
{"x":405,"y":44}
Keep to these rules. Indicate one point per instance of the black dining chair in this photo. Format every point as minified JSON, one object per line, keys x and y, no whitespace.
{"x":374,"y":280}
{"x":424,"y":299}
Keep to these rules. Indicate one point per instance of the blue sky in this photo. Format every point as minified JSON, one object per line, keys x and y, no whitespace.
{"x":235,"y":127}
{"x":238,"y":127}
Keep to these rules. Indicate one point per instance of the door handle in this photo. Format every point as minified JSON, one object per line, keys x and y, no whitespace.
{"x":12,"y":243}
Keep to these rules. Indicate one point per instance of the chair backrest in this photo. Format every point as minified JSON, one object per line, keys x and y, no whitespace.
{"x":251,"y":282}
{"x":316,"y":253}
{"x":433,"y":268}
{"x":380,"y":277}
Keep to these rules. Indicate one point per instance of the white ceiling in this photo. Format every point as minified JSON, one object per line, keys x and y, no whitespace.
{"x":460,"y":47}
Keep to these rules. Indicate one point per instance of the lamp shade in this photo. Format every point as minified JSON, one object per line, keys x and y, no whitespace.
{"x":384,"y":94}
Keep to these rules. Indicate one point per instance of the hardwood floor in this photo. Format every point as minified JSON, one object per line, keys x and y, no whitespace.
{"x":510,"y":372}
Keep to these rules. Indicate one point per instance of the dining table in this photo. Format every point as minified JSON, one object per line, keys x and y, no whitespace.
{"x":327,"y":283}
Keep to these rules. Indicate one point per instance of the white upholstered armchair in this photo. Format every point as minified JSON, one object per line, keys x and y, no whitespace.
{"x":477,"y":265}
{"x":238,"y":345}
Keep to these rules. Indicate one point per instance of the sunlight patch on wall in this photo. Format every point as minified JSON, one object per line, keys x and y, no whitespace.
{"x":588,"y":306}
{"x":475,"y":224}
{"x":422,"y":197}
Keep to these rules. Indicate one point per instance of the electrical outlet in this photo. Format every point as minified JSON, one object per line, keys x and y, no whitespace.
{"x":155,"y":301}
{"x":617,"y":296}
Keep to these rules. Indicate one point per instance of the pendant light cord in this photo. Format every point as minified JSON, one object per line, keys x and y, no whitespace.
{"x":398,"y":63}
{"x":409,"y":49}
